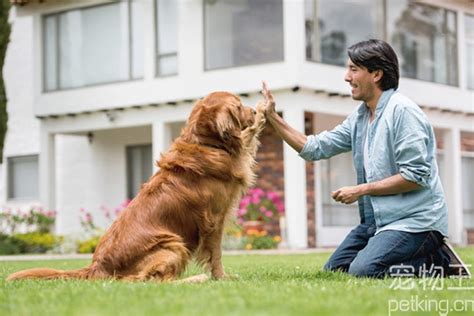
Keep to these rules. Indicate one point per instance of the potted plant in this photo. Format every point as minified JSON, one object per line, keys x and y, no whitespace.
{"x":260,"y":210}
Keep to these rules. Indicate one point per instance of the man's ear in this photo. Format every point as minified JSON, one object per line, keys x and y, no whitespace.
{"x":377,"y":75}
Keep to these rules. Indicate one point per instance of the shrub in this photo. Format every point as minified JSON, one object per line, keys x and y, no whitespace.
{"x":92,"y":230}
{"x":37,"y":242}
{"x":260,"y":240}
{"x":10,"y":245}
{"x":34,"y":220}
{"x":89,"y":245}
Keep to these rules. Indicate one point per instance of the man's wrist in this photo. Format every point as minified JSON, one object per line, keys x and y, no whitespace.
{"x":365,"y":189}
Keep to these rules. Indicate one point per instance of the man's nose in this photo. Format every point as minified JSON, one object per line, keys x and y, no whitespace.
{"x":347,"y":77}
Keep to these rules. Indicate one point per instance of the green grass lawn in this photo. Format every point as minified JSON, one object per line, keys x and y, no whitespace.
{"x":267,"y":285}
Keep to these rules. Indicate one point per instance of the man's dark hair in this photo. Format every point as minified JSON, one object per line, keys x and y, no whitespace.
{"x":377,"y":55}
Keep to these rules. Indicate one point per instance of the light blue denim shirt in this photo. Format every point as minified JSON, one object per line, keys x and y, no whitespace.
{"x":401,"y":141}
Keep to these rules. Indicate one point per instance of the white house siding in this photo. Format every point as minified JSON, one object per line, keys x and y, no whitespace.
{"x":76,"y":173}
{"x":22,"y":136}
{"x":92,"y":174}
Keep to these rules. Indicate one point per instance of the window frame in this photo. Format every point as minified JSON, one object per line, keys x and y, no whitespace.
{"x":128,"y":169}
{"x":9,"y":179}
{"x":56,"y":15}
{"x":468,"y":41}
{"x":204,"y":43}
{"x":157,"y":56}
{"x":386,"y":35}
{"x":470,"y":155}
{"x":327,"y":204}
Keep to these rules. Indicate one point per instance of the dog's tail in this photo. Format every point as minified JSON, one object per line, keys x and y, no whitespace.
{"x":48,"y":274}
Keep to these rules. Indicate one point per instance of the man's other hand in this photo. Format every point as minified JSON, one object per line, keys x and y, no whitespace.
{"x":347,"y":195}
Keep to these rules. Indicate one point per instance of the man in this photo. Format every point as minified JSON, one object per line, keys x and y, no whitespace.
{"x":401,"y":201}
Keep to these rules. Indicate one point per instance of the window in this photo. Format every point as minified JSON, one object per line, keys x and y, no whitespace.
{"x":338,"y":172}
{"x":333,"y":26}
{"x":93,"y":45}
{"x":23,"y":178}
{"x":166,"y":14}
{"x":424,"y":38}
{"x":139,"y":168}
{"x":469,"y":29}
{"x":467,"y":165}
{"x":239,"y":33}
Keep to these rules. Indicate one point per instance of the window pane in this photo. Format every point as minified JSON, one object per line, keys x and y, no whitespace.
{"x":139,"y":167}
{"x":137,"y":39}
{"x":469,"y":28}
{"x":167,"y":32}
{"x":167,"y":65}
{"x":328,"y":37}
{"x":94,"y":45}
{"x":23,"y":177}
{"x":239,"y":33}
{"x":337,"y":172}
{"x":468,"y":187}
{"x":166,"y":36}
{"x":50,"y":53}
{"x":424,"y":38}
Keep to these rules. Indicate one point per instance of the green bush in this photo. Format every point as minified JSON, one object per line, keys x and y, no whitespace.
{"x":38,"y":242}
{"x":255,"y":239}
{"x":10,"y":245}
{"x":88,"y":246}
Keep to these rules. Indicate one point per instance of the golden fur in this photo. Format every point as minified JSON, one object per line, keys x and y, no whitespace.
{"x":180,"y":212}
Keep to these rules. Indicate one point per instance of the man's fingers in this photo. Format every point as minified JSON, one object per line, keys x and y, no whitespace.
{"x":266,"y":92}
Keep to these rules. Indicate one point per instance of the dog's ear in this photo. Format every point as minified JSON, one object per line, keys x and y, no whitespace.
{"x":228,"y":127}
{"x":227,"y":122}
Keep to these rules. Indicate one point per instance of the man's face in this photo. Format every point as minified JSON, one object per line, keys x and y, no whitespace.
{"x":361,"y":80}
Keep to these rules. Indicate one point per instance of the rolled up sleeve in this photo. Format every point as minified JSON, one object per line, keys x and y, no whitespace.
{"x":327,"y":144}
{"x":411,"y":140}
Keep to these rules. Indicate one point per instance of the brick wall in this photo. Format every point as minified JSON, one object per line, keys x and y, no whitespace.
{"x":310,"y":191}
{"x":470,"y":236}
{"x":270,"y":171}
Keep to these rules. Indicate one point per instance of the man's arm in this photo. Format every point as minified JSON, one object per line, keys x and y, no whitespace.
{"x":290,"y":135}
{"x":392,"y":185}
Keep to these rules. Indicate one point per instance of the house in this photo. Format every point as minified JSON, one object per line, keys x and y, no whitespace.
{"x":98,"y":89}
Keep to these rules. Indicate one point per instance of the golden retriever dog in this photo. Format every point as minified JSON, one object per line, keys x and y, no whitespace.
{"x":181,"y":211}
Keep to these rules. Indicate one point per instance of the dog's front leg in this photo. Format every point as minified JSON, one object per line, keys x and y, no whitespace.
{"x":250,"y":134}
{"x":215,"y":260}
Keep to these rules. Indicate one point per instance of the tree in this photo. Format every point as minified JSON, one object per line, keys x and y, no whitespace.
{"x":4,"y":39}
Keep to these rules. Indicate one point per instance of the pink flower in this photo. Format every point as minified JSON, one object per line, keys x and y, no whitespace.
{"x":244,"y":202}
{"x":258,"y":192}
{"x":242,"y":212}
{"x":88,"y":217}
{"x":255,"y":199}
{"x":263,"y":209}
{"x":280,"y":207}
{"x":268,"y":213}
{"x":272,"y":195}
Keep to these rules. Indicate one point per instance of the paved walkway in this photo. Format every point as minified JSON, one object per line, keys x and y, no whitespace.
{"x":226,"y":252}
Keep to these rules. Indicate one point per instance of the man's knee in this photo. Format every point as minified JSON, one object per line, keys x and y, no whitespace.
{"x":360,"y":268}
{"x":332,"y":265}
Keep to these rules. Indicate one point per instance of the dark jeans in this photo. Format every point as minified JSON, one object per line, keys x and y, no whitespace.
{"x":367,"y":255}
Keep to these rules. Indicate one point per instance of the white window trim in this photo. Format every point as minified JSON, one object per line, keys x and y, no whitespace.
{"x":42,"y":59}
{"x":7,"y":182}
